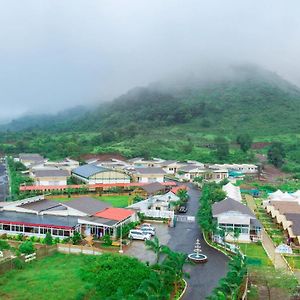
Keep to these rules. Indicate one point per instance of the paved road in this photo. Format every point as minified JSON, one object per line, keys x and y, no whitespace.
{"x":3,"y":182}
{"x":182,"y":238}
{"x":203,"y":277}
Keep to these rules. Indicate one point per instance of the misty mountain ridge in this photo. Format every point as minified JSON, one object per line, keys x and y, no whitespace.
{"x":243,"y":98}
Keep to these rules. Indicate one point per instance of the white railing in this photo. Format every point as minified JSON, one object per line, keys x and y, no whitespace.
{"x":162,"y":214}
{"x":30,"y":257}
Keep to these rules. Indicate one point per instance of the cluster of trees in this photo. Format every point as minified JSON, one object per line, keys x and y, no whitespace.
{"x":108,"y":275}
{"x":211,"y":192}
{"x":16,"y":178}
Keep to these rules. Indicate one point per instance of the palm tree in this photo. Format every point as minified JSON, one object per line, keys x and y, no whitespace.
{"x":173,"y":264}
{"x":152,"y":288}
{"x":183,"y":194}
{"x":236,"y":234}
{"x":155,"y":246}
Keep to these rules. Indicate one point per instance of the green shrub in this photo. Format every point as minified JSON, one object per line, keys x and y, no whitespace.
{"x":48,"y":239}
{"x":57,"y":240}
{"x":27,"y":247}
{"x":4,"y":245}
{"x":107,"y":240}
{"x":76,"y":238}
{"x":18,"y":263}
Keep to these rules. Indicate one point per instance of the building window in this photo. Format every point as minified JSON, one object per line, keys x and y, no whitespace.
{"x":6,"y":227}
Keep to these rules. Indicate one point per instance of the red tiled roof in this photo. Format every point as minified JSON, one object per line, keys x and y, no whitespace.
{"x":90,"y":186}
{"x":178,"y":188}
{"x":116,"y":214}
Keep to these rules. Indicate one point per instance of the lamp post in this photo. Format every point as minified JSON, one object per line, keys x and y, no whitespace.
{"x":121,"y":249}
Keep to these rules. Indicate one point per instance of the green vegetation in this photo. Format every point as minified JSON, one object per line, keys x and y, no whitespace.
{"x":54,"y":277}
{"x":211,"y":192}
{"x":116,"y":201}
{"x":276,"y":154}
{"x":27,"y":247}
{"x":229,"y":286}
{"x":16,"y":178}
{"x":256,"y":254}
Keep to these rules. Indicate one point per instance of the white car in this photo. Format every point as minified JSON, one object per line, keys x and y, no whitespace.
{"x":137,"y":234}
{"x":147,"y":225}
{"x":148,"y":230}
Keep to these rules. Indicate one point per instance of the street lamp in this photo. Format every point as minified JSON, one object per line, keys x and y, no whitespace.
{"x":121,"y":249}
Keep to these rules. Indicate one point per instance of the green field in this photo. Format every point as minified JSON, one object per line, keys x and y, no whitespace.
{"x":294,"y":261}
{"x":54,"y":277}
{"x":115,"y":201}
{"x":255,"y":254}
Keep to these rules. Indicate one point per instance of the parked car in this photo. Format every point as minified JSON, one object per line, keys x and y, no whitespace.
{"x":137,"y":234}
{"x":147,"y":225}
{"x":148,"y":230}
{"x":182,"y":209}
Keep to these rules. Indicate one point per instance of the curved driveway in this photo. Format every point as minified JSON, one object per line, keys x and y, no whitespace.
{"x":203,"y":277}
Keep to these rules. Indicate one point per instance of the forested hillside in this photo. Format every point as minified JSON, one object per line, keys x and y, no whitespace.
{"x":176,"y":120}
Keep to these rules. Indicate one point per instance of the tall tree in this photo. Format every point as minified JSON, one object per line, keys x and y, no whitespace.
{"x":245,"y":142}
{"x":276,"y":154}
{"x":222,"y":148}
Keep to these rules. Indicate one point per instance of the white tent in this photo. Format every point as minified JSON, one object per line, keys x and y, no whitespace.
{"x":276,"y":195}
{"x":232,"y":191}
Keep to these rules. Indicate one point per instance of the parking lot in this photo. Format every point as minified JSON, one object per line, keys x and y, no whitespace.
{"x":138,"y":248}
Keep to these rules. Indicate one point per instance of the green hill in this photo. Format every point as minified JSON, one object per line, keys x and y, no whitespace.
{"x":165,"y":118}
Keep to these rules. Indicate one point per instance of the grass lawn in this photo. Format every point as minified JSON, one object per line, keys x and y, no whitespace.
{"x":294,"y":261}
{"x":256,"y":254}
{"x":54,"y":277}
{"x":115,"y":201}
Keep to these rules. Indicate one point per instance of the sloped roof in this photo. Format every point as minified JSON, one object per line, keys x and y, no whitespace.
{"x":286,"y":206}
{"x":113,"y":213}
{"x":87,"y":171}
{"x":34,"y":219}
{"x":31,"y":156}
{"x":178,"y":188}
{"x":51,"y":173}
{"x":40,"y":205}
{"x":188,"y":168}
{"x":295,"y":219}
{"x":154,"y":171}
{"x":87,"y":205}
{"x":231,"y":205}
{"x":168,"y":162}
{"x":153,"y":187}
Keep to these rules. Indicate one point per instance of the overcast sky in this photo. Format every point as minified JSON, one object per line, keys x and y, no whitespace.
{"x":57,"y":53}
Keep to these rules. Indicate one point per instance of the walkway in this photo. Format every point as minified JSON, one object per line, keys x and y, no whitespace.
{"x":276,"y":258}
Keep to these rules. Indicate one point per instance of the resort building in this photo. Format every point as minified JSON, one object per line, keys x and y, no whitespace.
{"x":231,"y":215}
{"x":36,"y":216}
{"x":47,"y":177}
{"x":92,"y":174}
{"x":29,"y":159}
{"x":148,"y":175}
